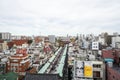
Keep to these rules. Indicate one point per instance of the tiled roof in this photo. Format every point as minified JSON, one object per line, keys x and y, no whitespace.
{"x":107,"y":54}
{"x":10,"y":44}
{"x":47,"y":49}
{"x":41,"y":77}
{"x":19,"y":42}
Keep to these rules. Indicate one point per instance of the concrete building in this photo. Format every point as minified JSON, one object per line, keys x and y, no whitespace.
{"x":113,"y":73}
{"x":116,"y":42}
{"x":85,"y":44}
{"x":20,"y":37}
{"x":101,"y":39}
{"x":15,"y":37}
{"x":88,"y":70}
{"x":112,"y":60}
{"x":5,"y":36}
{"x":3,"y":60}
{"x":51,"y":38}
{"x":19,"y":62}
{"x":3,"y":46}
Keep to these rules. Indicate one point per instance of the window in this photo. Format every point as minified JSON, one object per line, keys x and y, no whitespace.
{"x":96,"y":73}
{"x":113,"y":77}
{"x":96,"y":65}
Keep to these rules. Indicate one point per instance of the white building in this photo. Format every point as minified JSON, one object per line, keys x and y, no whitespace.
{"x":16,"y":37}
{"x":51,"y":38}
{"x":5,"y":36}
{"x":116,"y":42}
{"x":85,"y":44}
{"x":101,"y":40}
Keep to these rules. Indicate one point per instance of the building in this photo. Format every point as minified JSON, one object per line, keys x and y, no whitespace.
{"x":116,"y":42}
{"x":20,"y":43}
{"x":117,"y":56}
{"x":112,"y":60}
{"x":98,"y":70}
{"x":85,"y":44}
{"x":19,"y":62}
{"x":3,"y":61}
{"x":88,"y":70}
{"x":19,"y":37}
{"x":113,"y":73}
{"x":101,"y":39}
{"x":2,"y":67}
{"x":51,"y":38}
{"x":3,"y":46}
{"x":5,"y":36}
{"x":107,"y":54}
{"x":15,"y":37}
{"x":38,"y":39}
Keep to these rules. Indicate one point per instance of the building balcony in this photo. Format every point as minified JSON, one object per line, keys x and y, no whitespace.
{"x":24,"y":61}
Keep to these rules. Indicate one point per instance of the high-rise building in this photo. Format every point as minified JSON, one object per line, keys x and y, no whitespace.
{"x":5,"y":36}
{"x":51,"y":38}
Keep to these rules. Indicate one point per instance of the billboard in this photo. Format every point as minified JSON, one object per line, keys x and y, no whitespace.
{"x":83,"y":70}
{"x":79,"y":68}
{"x":95,"y":45}
{"x":88,"y":69}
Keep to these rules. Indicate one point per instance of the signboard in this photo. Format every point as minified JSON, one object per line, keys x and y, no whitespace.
{"x":79,"y":68}
{"x":95,"y":45}
{"x":88,"y":69}
{"x":83,"y":70}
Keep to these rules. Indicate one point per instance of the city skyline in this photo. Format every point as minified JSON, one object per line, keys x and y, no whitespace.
{"x":59,"y":17}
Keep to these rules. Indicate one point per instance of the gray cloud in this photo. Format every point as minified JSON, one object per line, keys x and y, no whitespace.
{"x":59,"y":17}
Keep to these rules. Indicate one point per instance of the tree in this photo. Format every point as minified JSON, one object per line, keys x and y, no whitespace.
{"x":30,"y":41}
{"x":106,"y":37}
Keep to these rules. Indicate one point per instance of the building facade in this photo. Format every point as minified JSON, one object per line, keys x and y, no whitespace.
{"x":19,"y":62}
{"x":88,"y":70}
{"x":51,"y":38}
{"x":5,"y":36}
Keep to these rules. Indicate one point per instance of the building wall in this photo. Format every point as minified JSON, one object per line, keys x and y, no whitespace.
{"x":112,"y":74}
{"x":117,"y":56}
{"x":88,"y":69}
{"x":115,"y":40}
{"x":51,"y":38}
{"x":0,"y":35}
{"x":2,"y":67}
{"x":101,"y":40}
{"x":15,"y":65}
{"x":3,"y":46}
{"x":5,"y":36}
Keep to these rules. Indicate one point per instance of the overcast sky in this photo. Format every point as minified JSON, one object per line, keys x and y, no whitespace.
{"x":59,"y":17}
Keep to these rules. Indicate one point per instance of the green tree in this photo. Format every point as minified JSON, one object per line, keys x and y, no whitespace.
{"x":30,"y":41}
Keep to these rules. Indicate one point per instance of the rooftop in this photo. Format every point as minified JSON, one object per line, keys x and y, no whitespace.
{"x":41,"y":77}
{"x":9,"y":76}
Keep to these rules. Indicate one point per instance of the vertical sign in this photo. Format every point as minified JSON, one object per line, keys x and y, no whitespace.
{"x":79,"y":68}
{"x":88,"y":69}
